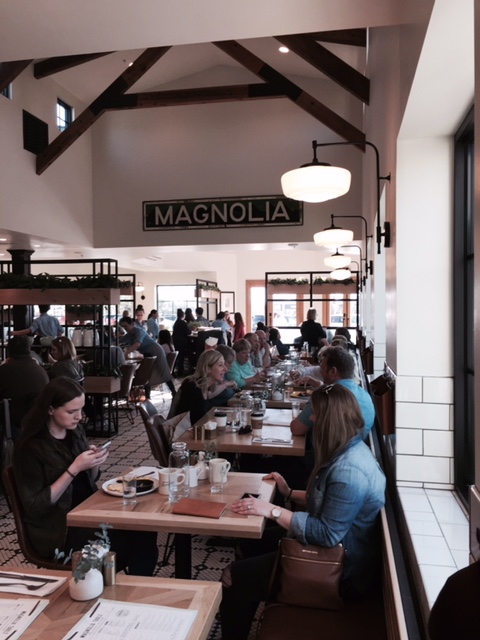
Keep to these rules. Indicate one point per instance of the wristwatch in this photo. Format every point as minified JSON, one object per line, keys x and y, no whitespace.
{"x":276,"y":513}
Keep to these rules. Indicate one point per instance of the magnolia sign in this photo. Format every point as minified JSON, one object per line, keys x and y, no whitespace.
{"x":222,"y":213}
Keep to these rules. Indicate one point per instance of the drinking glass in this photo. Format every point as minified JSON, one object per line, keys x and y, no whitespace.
{"x":295,"y":408}
{"x":129,"y":489}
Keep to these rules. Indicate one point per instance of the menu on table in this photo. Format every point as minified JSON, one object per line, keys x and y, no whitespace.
{"x":17,"y":615}
{"x":109,"y":619}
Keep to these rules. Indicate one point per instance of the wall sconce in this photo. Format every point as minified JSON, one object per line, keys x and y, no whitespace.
{"x":340,"y":274}
{"x":318,"y":181}
{"x":139,"y":288}
{"x":333,"y":237}
{"x":337,"y":261}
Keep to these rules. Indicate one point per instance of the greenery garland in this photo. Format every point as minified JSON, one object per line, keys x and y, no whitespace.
{"x":46,"y":281}
{"x":293,"y":282}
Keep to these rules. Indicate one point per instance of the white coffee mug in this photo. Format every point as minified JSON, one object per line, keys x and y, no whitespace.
{"x":164,"y":480}
{"x":218,"y":469}
{"x":193,"y":476}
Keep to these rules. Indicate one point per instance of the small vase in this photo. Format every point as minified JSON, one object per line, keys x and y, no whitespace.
{"x":88,"y":588}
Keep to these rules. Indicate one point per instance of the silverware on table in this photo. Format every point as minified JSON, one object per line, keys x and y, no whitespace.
{"x":29,"y":587}
{"x":21,"y":576}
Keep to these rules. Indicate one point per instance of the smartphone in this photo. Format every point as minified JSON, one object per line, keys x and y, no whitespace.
{"x":106,"y":445}
{"x":250,"y":495}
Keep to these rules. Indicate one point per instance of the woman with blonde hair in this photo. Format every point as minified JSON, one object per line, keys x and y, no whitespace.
{"x":193,"y":394}
{"x":341,"y":504}
{"x":65,"y":363}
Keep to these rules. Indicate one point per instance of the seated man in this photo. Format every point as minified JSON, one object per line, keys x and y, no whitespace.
{"x":21,"y":379}
{"x":201,"y":318}
{"x":337,"y":366}
{"x":242,"y":371}
{"x":257,"y":357}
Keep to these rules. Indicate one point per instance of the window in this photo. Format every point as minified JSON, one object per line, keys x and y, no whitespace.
{"x":173,"y":297}
{"x":64,"y":115}
{"x":7,"y":91}
{"x":464,"y":398}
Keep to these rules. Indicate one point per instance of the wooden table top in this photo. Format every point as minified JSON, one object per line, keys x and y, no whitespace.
{"x":152,"y":512}
{"x":276,"y":425}
{"x":63,"y":613}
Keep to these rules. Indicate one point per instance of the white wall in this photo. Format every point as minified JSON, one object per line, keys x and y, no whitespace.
{"x":58,"y":204}
{"x":424,"y":389}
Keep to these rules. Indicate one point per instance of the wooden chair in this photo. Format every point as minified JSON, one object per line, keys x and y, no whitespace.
{"x":128,"y":373}
{"x":157,"y":436}
{"x":172,"y":360}
{"x":16,"y":507}
{"x":160,"y":448}
{"x":141,"y":378}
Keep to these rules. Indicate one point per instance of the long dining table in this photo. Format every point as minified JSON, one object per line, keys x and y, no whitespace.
{"x":63,"y":613}
{"x":153,"y":512}
{"x":276,"y":438}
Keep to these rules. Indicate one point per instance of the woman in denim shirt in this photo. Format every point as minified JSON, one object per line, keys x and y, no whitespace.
{"x":344,"y":496}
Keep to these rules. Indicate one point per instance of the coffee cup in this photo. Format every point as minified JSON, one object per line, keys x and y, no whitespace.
{"x":257,"y":423}
{"x":218,"y":469}
{"x":221,"y":419}
{"x":164,"y":480}
{"x":193,"y":476}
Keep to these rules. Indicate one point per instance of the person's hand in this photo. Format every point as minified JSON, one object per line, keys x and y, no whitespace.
{"x":252,"y":507}
{"x":280,"y":481}
{"x":89,"y":459}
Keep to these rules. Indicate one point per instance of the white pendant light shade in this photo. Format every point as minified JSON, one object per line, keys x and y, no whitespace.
{"x":333,"y":237}
{"x":316,"y":183}
{"x":337,"y":261}
{"x":341,"y":274}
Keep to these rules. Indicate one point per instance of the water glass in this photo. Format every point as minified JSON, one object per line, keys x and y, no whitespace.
{"x":295,"y":409}
{"x":129,"y":489}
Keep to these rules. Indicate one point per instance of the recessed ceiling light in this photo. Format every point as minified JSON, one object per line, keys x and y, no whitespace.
{"x":2,"y":254}
{"x":3,"y":239}
{"x":37,"y":246}
{"x":283,"y":49}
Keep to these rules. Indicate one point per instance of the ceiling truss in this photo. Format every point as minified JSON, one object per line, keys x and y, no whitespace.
{"x":274,"y":85}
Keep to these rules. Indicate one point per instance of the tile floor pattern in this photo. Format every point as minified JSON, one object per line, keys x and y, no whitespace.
{"x":130,"y":447}
{"x":440,"y":535}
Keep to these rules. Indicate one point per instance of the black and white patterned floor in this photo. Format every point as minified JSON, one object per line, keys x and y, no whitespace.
{"x":130,"y":447}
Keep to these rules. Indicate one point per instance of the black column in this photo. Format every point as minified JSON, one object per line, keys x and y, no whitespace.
{"x":22,"y":314}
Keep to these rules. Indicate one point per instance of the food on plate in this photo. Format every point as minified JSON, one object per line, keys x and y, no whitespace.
{"x":301,"y":394}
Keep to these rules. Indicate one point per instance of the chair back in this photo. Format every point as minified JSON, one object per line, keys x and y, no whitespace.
{"x":144,"y":372}
{"x":171,"y":360}
{"x":147,"y":409}
{"x":128,"y":372}
{"x":157,"y":436}
{"x":24,"y":543}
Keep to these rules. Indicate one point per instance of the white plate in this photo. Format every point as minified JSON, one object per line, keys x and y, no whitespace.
{"x":118,"y":494}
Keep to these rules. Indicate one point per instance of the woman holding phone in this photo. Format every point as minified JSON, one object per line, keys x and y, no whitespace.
{"x":55,"y":470}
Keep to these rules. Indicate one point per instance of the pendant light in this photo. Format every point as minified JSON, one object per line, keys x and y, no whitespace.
{"x":337,"y":261}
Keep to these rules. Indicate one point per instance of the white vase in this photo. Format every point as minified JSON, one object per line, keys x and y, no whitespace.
{"x":88,"y":588}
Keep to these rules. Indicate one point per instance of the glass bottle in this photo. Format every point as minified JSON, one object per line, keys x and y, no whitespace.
{"x":179,"y":464}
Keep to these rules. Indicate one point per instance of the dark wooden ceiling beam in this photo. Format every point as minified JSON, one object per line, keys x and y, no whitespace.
{"x":198,"y":95}
{"x":292,"y":91}
{"x":54,"y":65}
{"x":329,"y":64}
{"x":352,"y":37}
{"x":10,"y":70}
{"x":78,"y":127}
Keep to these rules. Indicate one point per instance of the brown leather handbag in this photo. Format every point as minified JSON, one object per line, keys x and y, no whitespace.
{"x":309,"y":576}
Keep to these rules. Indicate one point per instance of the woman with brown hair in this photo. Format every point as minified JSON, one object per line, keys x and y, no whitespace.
{"x":239,"y":327}
{"x":344,"y":496}
{"x":65,"y":363}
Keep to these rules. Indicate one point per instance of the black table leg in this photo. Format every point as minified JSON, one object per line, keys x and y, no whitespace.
{"x":183,"y":556}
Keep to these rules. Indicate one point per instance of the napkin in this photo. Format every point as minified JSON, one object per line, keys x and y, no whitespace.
{"x":18,"y":583}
